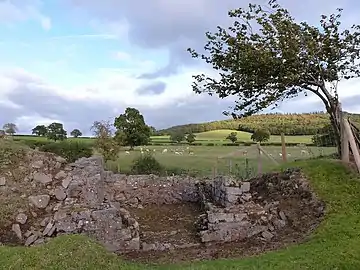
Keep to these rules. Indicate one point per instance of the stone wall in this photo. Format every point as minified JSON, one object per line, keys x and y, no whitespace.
{"x":83,"y":198}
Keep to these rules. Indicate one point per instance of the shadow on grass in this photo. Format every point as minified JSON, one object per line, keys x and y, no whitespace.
{"x":334,"y":245}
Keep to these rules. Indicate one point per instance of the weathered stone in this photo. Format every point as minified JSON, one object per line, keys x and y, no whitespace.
{"x":31,"y":239}
{"x":16,"y":229}
{"x":59,"y":215}
{"x":245,"y":186}
{"x":66,"y":182}
{"x":267,"y":235}
{"x":40,"y":201}
{"x":37,"y":164}
{"x":48,"y":228}
{"x":60,"y":193}
{"x":2,"y":181}
{"x":44,"y":222}
{"x":42,"y":178}
{"x":21,"y":218}
{"x":60,"y":175}
{"x":282,"y":215}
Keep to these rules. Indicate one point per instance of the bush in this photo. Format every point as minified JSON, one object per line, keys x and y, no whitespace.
{"x":33,"y":143}
{"x":70,"y":150}
{"x":146,"y":164}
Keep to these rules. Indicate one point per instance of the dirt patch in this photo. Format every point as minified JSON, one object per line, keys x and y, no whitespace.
{"x":173,"y":223}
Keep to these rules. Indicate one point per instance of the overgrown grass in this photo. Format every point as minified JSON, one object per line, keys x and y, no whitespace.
{"x":334,"y":245}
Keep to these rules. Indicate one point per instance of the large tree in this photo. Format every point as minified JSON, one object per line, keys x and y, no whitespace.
{"x":39,"y":130}
{"x":10,"y":128}
{"x":132,"y":129}
{"x":56,"y":132}
{"x":266,"y":57}
{"x":76,"y":133}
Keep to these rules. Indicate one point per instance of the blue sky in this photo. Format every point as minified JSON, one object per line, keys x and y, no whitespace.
{"x":78,"y":61}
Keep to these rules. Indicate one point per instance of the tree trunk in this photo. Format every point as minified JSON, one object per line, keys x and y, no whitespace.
{"x":335,"y":119}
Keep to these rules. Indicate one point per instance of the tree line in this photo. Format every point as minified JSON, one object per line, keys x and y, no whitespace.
{"x":289,"y":124}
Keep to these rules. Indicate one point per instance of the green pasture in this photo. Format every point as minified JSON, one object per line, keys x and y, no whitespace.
{"x":204,"y":158}
{"x":333,"y":245}
{"x":218,"y":136}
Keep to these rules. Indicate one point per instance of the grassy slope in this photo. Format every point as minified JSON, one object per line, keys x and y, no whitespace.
{"x":220,"y":135}
{"x":334,"y":245}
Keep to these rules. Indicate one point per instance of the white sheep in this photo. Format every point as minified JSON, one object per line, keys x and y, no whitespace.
{"x":304,"y":152}
{"x":127,"y":152}
{"x":164,"y":151}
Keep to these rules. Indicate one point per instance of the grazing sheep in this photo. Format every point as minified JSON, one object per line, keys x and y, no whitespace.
{"x":147,"y":150}
{"x":245,"y":153}
{"x":304,"y":152}
{"x":164,"y":151}
{"x":191,"y":153}
{"x":289,"y":155}
{"x":178,"y":153}
{"x":280,"y":154}
{"x":127,"y":152}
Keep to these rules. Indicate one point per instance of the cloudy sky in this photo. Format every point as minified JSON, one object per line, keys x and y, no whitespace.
{"x":77,"y":61}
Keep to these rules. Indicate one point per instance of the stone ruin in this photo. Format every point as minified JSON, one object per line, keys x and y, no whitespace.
{"x":83,"y":198}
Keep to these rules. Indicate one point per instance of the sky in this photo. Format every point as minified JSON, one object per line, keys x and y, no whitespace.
{"x":80,"y":61}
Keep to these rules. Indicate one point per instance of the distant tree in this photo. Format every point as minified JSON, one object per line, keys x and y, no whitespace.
{"x":190,"y":138}
{"x":56,"y":132}
{"x":325,"y":137}
{"x":10,"y":128}
{"x":260,"y":135}
{"x":232,"y":137}
{"x":131,"y":127}
{"x":177,"y":137}
{"x":105,"y":142}
{"x":39,"y":130}
{"x":76,"y":133}
{"x":152,"y":131}
{"x":266,"y":57}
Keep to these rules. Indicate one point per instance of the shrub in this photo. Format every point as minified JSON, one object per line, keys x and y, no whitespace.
{"x":146,"y":164}
{"x":70,"y":150}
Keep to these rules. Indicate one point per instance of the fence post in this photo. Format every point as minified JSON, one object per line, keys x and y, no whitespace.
{"x":344,"y":137}
{"x":283,"y":147}
{"x":259,"y":158}
{"x":353,"y":144}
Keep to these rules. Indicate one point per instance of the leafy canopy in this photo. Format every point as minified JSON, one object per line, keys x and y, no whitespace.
{"x":39,"y":130}
{"x":178,"y":136}
{"x":190,"y":138}
{"x":56,"y":132}
{"x":105,"y":142}
{"x":260,"y":135}
{"x":132,"y":129}
{"x":76,"y":133}
{"x":10,"y":128}
{"x":266,"y":57}
{"x":232,"y":137}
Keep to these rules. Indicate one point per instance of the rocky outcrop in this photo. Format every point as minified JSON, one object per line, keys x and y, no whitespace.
{"x":83,"y":198}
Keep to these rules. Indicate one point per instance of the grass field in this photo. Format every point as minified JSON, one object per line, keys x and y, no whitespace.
{"x":334,"y":245}
{"x":204,"y":157}
{"x":220,"y":135}
{"x":215,"y":136}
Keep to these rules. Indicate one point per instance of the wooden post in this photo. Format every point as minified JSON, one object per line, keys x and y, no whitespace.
{"x":230,"y":166}
{"x":283,"y":147}
{"x":344,"y":138}
{"x":353,"y":144}
{"x":259,"y":158}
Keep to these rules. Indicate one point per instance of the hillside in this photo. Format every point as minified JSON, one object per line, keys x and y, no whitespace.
{"x":290,"y":124}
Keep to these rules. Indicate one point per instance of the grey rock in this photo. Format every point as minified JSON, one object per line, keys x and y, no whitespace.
{"x":42,"y":178}
{"x":16,"y":229}
{"x":66,"y":182}
{"x":48,"y":228}
{"x":60,"y":175}
{"x":31,"y":239}
{"x":60,"y":193}
{"x":40,"y":201}
{"x":2,"y":181}
{"x":21,"y":218}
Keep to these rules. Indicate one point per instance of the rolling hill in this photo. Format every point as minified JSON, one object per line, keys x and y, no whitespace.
{"x":290,"y":124}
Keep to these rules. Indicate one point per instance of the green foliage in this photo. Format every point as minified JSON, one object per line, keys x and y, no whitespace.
{"x":190,"y":138}
{"x":261,"y":135}
{"x":70,"y":150}
{"x":280,"y":60}
{"x":232,"y":137}
{"x":105,"y":143}
{"x":326,"y":137}
{"x":146,"y":164}
{"x":177,"y":137}
{"x":56,"y":132}
{"x":10,"y":128}
{"x":244,"y":171}
{"x":131,"y":125}
{"x":76,"y":133}
{"x":39,"y":130}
